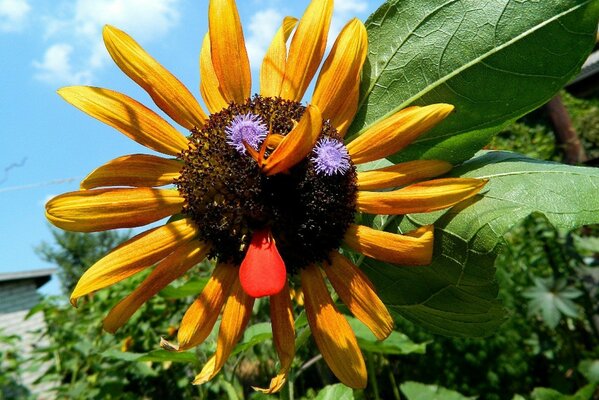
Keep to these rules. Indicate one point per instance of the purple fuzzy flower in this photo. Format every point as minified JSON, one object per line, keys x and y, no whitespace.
{"x":330,"y":157}
{"x":247,"y":128}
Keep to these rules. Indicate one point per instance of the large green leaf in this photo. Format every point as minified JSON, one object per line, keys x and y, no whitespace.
{"x":456,"y":294}
{"x":494,"y":60}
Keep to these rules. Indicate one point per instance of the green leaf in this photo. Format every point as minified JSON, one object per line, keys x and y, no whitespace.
{"x":551,"y":299}
{"x":590,"y":370}
{"x":253,"y":335}
{"x":420,"y":391}
{"x":155,"y":355}
{"x":191,"y":288}
{"x":396,"y":343}
{"x":335,"y":392}
{"x":494,"y":61}
{"x":585,"y":393}
{"x":456,"y":294}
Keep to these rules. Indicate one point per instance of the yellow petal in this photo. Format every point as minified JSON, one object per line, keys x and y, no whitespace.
{"x":236,"y":315}
{"x":401,"y":174}
{"x":307,"y":48}
{"x":169,"y":269}
{"x":283,"y":334}
{"x":275,"y":60}
{"x":412,"y":248}
{"x":128,"y":116}
{"x":209,"y":86}
{"x":297,"y":144}
{"x":165,"y":89}
{"x":139,"y":170}
{"x":332,"y":333}
{"x":103,"y":209}
{"x":357,"y":292}
{"x":133,"y":256}
{"x":229,"y":56}
{"x":339,"y":77}
{"x":396,"y":132}
{"x":420,"y":197}
{"x":198,"y":321}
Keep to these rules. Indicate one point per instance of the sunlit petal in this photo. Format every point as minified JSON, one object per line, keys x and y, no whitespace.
{"x":307,"y":48}
{"x":339,"y":77}
{"x":332,"y":333}
{"x":401,"y":174}
{"x":357,"y":292}
{"x":229,"y":56}
{"x":169,"y":269}
{"x":198,"y":321}
{"x":165,"y":89}
{"x":420,"y":197}
{"x":103,"y":209}
{"x":128,"y":116}
{"x":275,"y":60}
{"x":139,"y":170}
{"x":134,"y":255}
{"x":396,"y":132}
{"x":236,"y":315}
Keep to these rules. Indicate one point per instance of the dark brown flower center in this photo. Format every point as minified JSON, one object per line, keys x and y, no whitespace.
{"x":307,"y":211}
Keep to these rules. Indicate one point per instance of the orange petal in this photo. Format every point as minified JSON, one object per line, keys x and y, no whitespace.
{"x":165,"y":89}
{"x":236,"y":315}
{"x":340,"y":76}
{"x":283,"y":334}
{"x":357,"y":292}
{"x":297,"y":144}
{"x":201,"y":316}
{"x":275,"y":60}
{"x":139,"y":170}
{"x":307,"y":48}
{"x":169,"y":269}
{"x":133,"y":256}
{"x":396,"y":132}
{"x":128,"y":116}
{"x":420,"y":197}
{"x":412,"y":248}
{"x":103,"y":209}
{"x":229,"y":56}
{"x":401,"y":174}
{"x":209,"y":86}
{"x":331,"y":331}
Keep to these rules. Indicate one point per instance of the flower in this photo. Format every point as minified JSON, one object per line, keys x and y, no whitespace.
{"x":264,"y":185}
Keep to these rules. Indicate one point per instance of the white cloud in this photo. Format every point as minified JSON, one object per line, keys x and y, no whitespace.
{"x":343,"y":12}
{"x":262,"y":27}
{"x":79,"y":30}
{"x":13,"y":14}
{"x":56,"y":67}
{"x":353,"y":6}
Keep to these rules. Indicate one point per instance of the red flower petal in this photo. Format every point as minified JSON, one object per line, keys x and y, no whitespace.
{"x":262,"y":272}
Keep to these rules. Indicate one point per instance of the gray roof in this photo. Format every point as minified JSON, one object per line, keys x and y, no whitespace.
{"x":39,"y":276}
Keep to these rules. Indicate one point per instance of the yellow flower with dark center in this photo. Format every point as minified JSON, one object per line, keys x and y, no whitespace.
{"x":264,"y":185}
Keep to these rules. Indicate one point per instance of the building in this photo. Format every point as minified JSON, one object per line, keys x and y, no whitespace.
{"x":18,"y":294}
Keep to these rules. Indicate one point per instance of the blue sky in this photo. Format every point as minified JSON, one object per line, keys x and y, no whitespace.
{"x":47,"y":146}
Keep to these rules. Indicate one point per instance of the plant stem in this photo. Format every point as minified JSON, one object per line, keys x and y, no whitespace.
{"x":371,"y":375}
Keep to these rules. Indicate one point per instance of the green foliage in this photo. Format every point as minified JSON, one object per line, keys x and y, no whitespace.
{"x":493,"y":61}
{"x":11,"y":366}
{"x":419,"y":391}
{"x":456,"y":294}
{"x":552,"y":299}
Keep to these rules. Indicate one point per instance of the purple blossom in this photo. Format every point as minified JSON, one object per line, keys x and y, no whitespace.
{"x":247,"y":128}
{"x":330,"y":157}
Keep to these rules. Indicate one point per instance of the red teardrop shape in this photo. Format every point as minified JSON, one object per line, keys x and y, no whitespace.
{"x":262,"y":272}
